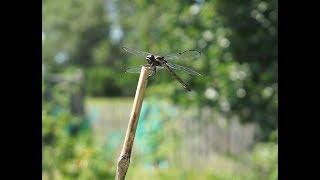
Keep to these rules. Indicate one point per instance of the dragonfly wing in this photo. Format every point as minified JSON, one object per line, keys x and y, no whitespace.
{"x":189,"y":54}
{"x":136,"y":52}
{"x":183,"y":68}
{"x":134,"y":70}
{"x":160,"y":67}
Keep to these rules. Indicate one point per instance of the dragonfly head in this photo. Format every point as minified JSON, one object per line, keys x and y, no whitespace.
{"x":150,"y":58}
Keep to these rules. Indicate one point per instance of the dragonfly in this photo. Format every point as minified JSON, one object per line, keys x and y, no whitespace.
{"x":158,"y":62}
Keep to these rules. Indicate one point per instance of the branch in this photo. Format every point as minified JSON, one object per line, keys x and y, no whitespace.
{"x":124,"y":159}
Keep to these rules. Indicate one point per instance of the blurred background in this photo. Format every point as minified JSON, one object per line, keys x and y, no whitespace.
{"x":226,"y":128}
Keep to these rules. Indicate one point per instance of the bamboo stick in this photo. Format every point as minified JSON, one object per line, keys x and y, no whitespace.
{"x":124,"y":159}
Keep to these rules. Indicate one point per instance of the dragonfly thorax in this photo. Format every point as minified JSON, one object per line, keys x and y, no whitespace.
{"x":155,"y":60}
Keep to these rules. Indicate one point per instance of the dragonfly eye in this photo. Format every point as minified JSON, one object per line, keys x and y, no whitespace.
{"x":149,"y":57}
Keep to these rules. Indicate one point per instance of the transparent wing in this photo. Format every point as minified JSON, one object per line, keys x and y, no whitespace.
{"x":182,"y":68}
{"x":160,"y":67}
{"x":134,"y":69}
{"x":136,"y":52}
{"x":189,"y":54}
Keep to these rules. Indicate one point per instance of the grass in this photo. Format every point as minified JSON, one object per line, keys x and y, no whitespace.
{"x":100,"y":101}
{"x":141,"y":173}
{"x":220,"y":167}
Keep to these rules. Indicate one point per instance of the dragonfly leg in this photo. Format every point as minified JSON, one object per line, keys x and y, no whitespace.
{"x":154,"y":70}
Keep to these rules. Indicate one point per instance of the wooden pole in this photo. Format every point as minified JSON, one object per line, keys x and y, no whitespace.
{"x":124,"y":159}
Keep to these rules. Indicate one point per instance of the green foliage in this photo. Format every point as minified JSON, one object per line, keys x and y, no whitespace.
{"x":68,"y":154}
{"x":69,"y":151}
{"x":238,"y":41}
{"x":100,"y":81}
{"x":265,"y":160}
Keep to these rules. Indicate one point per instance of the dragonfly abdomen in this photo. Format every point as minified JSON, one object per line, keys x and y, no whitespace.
{"x":177,"y":77}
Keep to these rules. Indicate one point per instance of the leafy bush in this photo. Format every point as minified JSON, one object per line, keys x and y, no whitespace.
{"x":69,"y":151}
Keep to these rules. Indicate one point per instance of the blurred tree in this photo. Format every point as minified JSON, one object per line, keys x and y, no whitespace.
{"x":254,"y":44}
{"x":69,"y":151}
{"x":238,"y":41}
